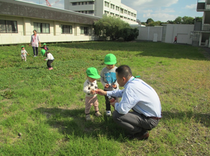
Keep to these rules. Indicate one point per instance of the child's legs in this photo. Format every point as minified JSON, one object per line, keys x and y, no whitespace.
{"x":36,"y":51}
{"x":25,"y":58}
{"x":34,"y":48}
{"x":88,"y":104}
{"x":108,"y":107}
{"x":95,"y":103}
{"x":49,"y":63}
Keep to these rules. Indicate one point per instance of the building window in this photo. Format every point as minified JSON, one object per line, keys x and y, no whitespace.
{"x":125,"y":11}
{"x":66,"y":29}
{"x":117,"y":8}
{"x":106,"y":12}
{"x":74,"y":3}
{"x":8,"y":26}
{"x":42,"y":27}
{"x":112,"y":6}
{"x":106,"y":4}
{"x":84,"y":30}
{"x":121,"y":10}
{"x":91,"y":2}
{"x":91,"y":12}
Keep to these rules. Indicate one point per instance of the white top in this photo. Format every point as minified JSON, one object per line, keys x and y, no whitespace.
{"x":24,"y":52}
{"x":35,"y":40}
{"x":49,"y":57}
{"x":88,"y":86}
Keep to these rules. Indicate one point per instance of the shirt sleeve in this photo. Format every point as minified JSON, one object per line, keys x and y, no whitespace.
{"x":115,"y":93}
{"x":102,"y":78}
{"x":127,"y":102}
{"x":85,"y":88}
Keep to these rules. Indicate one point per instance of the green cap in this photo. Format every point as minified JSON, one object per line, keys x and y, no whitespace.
{"x":22,"y":46}
{"x":44,"y":44}
{"x":93,"y":73}
{"x":43,"y":51}
{"x":110,"y":59}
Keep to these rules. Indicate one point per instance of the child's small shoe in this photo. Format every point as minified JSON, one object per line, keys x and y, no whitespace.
{"x":88,"y":117}
{"x":97,"y":114}
{"x":108,"y":113}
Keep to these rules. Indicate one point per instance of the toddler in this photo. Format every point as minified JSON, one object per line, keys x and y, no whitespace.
{"x":89,"y":88}
{"x":45,"y":47}
{"x":108,"y":79}
{"x":49,"y":58}
{"x":23,"y":53}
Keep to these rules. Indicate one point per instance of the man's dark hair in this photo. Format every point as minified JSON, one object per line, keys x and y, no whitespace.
{"x":124,"y":71}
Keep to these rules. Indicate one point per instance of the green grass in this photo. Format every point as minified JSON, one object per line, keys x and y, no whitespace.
{"x":47,"y":107}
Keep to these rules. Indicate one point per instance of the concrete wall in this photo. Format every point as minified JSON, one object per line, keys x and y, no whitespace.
{"x":150,"y":33}
{"x":182,"y":31}
{"x":167,"y":33}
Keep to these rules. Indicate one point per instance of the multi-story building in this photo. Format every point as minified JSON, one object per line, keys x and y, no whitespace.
{"x":101,"y":7}
{"x":201,"y":33}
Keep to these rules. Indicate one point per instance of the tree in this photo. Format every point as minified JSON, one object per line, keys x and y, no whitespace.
{"x":178,"y":20}
{"x":187,"y":20}
{"x":149,"y":20}
{"x":113,"y":27}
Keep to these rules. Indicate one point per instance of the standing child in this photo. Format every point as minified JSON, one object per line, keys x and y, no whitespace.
{"x":23,"y":53}
{"x":45,"y":47}
{"x":108,"y":79}
{"x":89,"y":88}
{"x":49,"y":58}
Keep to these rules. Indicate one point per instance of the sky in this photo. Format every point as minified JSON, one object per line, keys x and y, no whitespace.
{"x":158,"y":10}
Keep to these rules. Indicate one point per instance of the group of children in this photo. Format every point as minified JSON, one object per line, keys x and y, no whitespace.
{"x":49,"y":57}
{"x":107,"y":78}
{"x":109,"y":81}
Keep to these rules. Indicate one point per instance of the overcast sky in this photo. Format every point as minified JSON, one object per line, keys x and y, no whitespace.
{"x":158,"y":10}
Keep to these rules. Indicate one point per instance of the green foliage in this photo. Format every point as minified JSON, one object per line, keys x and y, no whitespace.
{"x":110,"y":27}
{"x":129,"y":34}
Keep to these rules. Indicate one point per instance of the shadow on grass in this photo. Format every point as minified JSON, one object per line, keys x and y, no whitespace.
{"x":198,"y":117}
{"x":158,"y":49}
{"x":73,"y":123}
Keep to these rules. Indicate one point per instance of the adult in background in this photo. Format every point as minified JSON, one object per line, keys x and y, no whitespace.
{"x":138,"y":96}
{"x":35,"y":43}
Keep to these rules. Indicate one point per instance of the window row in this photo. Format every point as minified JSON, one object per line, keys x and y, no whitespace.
{"x":112,"y":6}
{"x":7,"y":26}
{"x":82,"y":3}
{"x":106,"y":12}
{"x":86,"y":12}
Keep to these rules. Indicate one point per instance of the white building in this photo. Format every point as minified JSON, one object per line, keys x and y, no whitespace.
{"x":201,"y":33}
{"x":167,"y":33}
{"x":19,"y":19}
{"x":101,"y":7}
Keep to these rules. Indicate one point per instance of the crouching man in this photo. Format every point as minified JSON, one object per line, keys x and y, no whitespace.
{"x":139,"y":97}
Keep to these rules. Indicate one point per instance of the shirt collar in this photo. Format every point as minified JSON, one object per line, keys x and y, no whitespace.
{"x":131,"y":79}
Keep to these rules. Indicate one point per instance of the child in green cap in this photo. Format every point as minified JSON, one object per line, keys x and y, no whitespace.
{"x":45,"y":47}
{"x":108,"y":79}
{"x":89,"y":88}
{"x":23,"y":53}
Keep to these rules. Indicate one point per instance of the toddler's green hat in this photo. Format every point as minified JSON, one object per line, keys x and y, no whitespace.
{"x":110,"y":59}
{"x":22,"y":46}
{"x":44,"y":44}
{"x":43,"y":51}
{"x":93,"y":73}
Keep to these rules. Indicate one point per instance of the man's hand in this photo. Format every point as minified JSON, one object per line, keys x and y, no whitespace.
{"x":100,"y":92}
{"x":92,"y":91}
{"x":114,"y":86}
{"x":113,"y":103}
{"x":107,"y":86}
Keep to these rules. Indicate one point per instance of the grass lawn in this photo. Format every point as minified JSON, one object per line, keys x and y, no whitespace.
{"x":47,"y":107}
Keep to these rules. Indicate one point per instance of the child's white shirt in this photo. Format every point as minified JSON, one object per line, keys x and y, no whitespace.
{"x":24,"y":52}
{"x":88,"y":86}
{"x":49,"y":57}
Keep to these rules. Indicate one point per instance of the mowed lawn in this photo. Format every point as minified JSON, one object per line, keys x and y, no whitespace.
{"x":47,"y":107}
